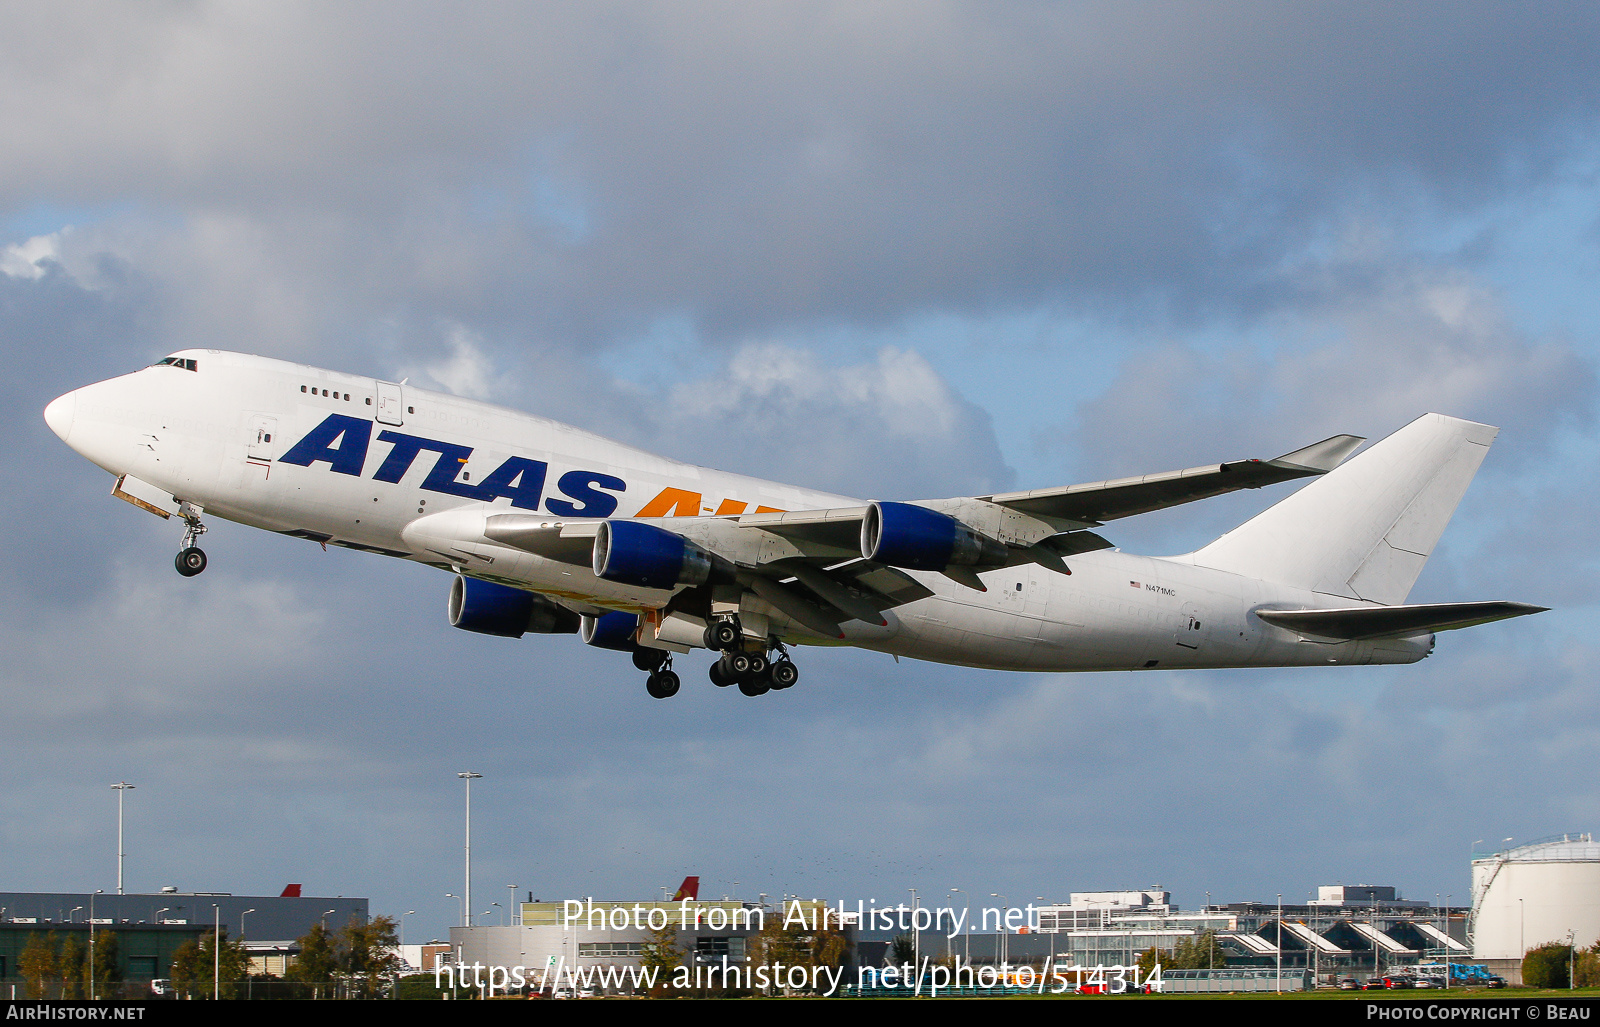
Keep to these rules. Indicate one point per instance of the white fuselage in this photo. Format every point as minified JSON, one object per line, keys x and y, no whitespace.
{"x":410,"y":473}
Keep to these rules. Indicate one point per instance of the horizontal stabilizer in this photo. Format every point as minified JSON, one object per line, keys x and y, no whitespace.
{"x":1359,"y":622}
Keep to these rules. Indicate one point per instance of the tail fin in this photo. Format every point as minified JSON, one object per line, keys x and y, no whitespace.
{"x":689,"y":889}
{"x":1364,"y":530}
{"x":290,"y":891}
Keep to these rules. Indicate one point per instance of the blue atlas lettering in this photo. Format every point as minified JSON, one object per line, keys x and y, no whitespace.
{"x":442,"y":477}
{"x":519,"y":479}
{"x":584,"y":486}
{"x":352,"y":434}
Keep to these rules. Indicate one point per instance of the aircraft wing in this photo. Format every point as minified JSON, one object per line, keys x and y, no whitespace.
{"x":809,"y":565}
{"x":824,"y":567}
{"x":1096,"y":502}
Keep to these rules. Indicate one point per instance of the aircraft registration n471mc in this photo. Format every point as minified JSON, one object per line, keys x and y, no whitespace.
{"x":551,"y":529}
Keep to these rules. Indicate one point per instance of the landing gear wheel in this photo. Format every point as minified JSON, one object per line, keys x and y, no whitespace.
{"x":663,"y":684}
{"x":758,"y":665}
{"x":758,"y":684}
{"x":648,"y":659}
{"x":738,"y":665}
{"x":720,"y":676}
{"x":190,"y":561}
{"x":784,"y":674}
{"x":722,"y":635}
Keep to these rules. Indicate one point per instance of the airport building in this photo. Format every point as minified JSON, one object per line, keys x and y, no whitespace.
{"x":1345,"y":931}
{"x":580,"y":935}
{"x":151,"y":926}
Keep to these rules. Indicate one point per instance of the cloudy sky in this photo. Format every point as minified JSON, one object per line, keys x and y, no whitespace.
{"x":894,"y":250}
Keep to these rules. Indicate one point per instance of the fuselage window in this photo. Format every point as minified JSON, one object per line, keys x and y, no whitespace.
{"x":302,"y":388}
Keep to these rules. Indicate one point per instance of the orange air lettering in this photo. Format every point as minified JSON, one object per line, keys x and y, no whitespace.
{"x":672,"y":503}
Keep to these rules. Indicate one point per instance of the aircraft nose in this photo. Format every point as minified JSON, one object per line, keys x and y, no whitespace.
{"x":58,"y":415}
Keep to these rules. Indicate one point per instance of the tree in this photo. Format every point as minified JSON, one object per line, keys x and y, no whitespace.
{"x":106,"y":975}
{"x":71,"y":967}
{"x":1586,"y":968}
{"x":39,"y":965}
{"x":1546,"y":966}
{"x":662,"y":956}
{"x":317,"y":962}
{"x":794,"y":940}
{"x":197,"y":966}
{"x":1197,"y":953}
{"x":368,"y":955}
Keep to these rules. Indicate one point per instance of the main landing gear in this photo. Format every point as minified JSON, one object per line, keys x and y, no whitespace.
{"x":754,"y":671}
{"x":191,"y":559}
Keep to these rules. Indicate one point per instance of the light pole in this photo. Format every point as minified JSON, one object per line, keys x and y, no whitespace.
{"x":92,"y":981}
{"x":216,"y":953}
{"x":453,"y":895}
{"x":963,"y":921}
{"x":1005,"y":942}
{"x":409,"y":912}
{"x":466,"y":901}
{"x":121,"y":787}
{"x":249,"y":978}
{"x":1280,"y":943}
{"x":916,"y":935}
{"x":514,"y":909}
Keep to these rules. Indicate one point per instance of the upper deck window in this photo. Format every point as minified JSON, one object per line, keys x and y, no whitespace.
{"x":186,"y":363}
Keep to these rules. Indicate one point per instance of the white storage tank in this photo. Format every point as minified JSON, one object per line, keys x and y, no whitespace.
{"x":1536,"y":893}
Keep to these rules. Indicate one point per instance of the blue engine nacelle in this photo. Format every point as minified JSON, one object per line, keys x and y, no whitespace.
{"x":492,"y":609}
{"x":613,"y":630}
{"x":914,"y":537}
{"x":636,"y":553}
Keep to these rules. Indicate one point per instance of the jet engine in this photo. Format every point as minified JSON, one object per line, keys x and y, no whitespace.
{"x":916,"y":538}
{"x":635,"y":553}
{"x":492,"y":609}
{"x":613,"y":630}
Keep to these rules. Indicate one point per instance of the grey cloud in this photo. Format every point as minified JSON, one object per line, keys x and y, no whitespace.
{"x":574,"y":170}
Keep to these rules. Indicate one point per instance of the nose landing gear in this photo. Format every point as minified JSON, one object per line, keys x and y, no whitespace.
{"x":191,"y":559}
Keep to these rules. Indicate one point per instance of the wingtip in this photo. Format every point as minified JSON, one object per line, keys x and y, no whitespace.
{"x":1322,"y":457}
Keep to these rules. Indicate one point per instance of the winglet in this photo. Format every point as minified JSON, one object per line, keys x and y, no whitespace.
{"x":1321,"y":457}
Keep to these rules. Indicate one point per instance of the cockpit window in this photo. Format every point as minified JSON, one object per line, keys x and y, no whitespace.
{"x":185,"y":363}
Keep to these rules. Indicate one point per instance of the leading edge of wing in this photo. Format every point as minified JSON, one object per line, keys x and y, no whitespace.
{"x":1095,"y":502}
{"x":1363,"y":622}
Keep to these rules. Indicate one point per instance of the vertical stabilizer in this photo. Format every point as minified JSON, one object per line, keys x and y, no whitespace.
{"x":1364,"y":530}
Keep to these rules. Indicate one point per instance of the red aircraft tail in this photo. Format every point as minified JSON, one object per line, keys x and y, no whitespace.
{"x":290,"y":891}
{"x":689,"y":889}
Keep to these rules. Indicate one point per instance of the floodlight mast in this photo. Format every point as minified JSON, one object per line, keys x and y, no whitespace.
{"x":121,"y":787}
{"x":466,"y":902}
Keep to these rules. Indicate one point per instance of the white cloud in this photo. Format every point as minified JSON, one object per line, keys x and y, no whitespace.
{"x":26,"y":259}
{"x":467,"y":371}
{"x":890,"y":427}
